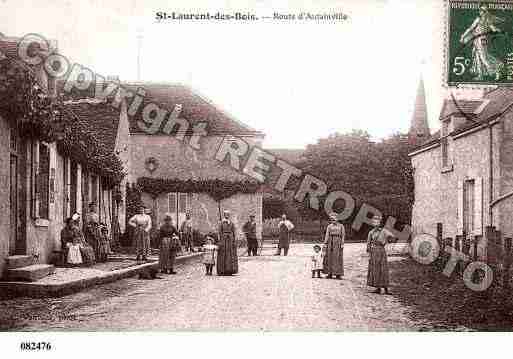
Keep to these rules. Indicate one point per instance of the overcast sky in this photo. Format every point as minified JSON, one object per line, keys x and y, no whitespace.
{"x":294,"y":81}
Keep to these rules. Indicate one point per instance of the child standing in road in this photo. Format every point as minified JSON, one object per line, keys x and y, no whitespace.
{"x":317,"y":261}
{"x":209,"y":255}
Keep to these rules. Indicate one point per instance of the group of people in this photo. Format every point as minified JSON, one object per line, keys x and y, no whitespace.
{"x":329,"y":259}
{"x":85,"y":247}
{"x":141,"y":223}
{"x":222,"y":254}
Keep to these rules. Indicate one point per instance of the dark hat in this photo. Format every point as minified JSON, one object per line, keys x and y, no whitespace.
{"x":317,"y":247}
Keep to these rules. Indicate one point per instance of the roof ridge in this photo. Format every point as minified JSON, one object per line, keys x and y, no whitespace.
{"x":203,"y":97}
{"x":218,"y":110}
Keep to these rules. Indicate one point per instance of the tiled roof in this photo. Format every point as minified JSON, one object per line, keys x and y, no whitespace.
{"x":101,"y":118}
{"x":8,"y":48}
{"x":475,"y":112}
{"x":291,"y":155}
{"x":195,"y":108}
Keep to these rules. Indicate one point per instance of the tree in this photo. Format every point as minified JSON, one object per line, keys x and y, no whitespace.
{"x":377,"y":173}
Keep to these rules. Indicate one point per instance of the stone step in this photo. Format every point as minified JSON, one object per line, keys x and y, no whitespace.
{"x":18,"y":261}
{"x":30,"y":273}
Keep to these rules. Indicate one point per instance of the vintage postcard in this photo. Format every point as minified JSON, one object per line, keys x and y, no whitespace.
{"x":254,"y":167}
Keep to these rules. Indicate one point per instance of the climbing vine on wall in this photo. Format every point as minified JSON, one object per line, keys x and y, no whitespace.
{"x":38,"y":115}
{"x":133,"y":200}
{"x":23,"y":99}
{"x":80,"y":144}
{"x":215,"y":188}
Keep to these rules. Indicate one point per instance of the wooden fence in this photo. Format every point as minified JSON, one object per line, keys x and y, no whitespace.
{"x":494,"y":249}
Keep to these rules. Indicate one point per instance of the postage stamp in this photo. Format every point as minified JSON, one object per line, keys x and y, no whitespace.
{"x":480,"y":43}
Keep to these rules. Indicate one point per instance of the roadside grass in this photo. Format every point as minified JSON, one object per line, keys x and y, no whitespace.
{"x":446,"y":302}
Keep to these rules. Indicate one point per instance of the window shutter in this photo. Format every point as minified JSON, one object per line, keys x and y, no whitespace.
{"x":80,"y":191}
{"x":51,"y":185}
{"x":478,"y":207}
{"x":459,"y":193}
{"x":36,"y":187}
{"x":64,"y":188}
{"x":182,"y":202}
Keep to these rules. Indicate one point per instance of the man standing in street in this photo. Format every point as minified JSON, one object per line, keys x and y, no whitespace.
{"x":186,"y":233}
{"x":284,"y":228}
{"x":249,"y":230}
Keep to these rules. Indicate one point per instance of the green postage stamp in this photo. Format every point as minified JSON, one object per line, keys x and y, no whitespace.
{"x":480,"y":43}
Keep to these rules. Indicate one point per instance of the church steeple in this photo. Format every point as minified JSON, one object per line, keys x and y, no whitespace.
{"x":419,"y":127}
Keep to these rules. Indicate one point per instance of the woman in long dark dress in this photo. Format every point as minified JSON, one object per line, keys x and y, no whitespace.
{"x":67,"y":234}
{"x":94,"y":236}
{"x":169,"y":244}
{"x":227,"y":261}
{"x":284,"y":234}
{"x":334,"y":248}
{"x":377,"y":275}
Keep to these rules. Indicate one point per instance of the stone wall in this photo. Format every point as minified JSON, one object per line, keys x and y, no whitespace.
{"x":205,"y":211}
{"x":122,"y":147}
{"x":436,"y":191}
{"x":505,"y":208}
{"x":4,"y":192}
{"x":43,"y":235}
{"x":178,"y":160}
{"x":426,"y":210}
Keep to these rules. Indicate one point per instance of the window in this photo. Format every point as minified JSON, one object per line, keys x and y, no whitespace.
{"x":43,"y":182}
{"x":444,"y":144}
{"x":178,"y":206}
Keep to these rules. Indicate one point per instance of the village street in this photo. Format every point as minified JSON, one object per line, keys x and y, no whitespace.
{"x":269,"y":293}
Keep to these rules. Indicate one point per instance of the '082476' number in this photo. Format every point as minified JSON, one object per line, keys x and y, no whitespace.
{"x":35,"y":346}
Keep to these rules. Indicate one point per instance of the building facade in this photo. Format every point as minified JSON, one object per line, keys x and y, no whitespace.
{"x":41,"y":185}
{"x":170,"y":157}
{"x":464,"y":173}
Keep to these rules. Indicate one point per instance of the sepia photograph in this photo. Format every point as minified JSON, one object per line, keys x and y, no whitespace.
{"x":254,"y":167}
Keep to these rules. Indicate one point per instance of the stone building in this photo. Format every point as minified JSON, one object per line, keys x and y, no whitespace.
{"x":41,"y":184}
{"x":463,"y":173}
{"x":165,"y":157}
